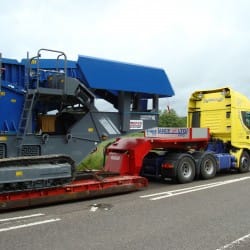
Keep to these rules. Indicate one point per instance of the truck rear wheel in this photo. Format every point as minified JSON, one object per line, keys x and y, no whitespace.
{"x":244,"y":162}
{"x":185,"y":169}
{"x":208,"y":166}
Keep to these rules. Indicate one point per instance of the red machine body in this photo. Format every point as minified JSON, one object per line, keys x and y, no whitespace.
{"x":125,"y":156}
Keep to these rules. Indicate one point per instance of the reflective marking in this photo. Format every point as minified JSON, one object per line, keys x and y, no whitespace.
{"x":3,"y":138}
{"x":29,"y":225}
{"x":21,"y":217}
{"x":109,"y":126}
{"x":167,"y":194}
{"x":235,"y":242}
{"x":19,"y":173}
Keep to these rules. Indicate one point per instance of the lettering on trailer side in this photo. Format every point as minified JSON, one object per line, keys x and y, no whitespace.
{"x":167,"y":132}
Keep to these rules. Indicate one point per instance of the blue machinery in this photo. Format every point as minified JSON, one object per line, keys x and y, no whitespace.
{"x":48,"y":105}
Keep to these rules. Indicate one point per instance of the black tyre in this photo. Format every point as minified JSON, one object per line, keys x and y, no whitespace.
{"x":185,"y":169}
{"x":244,"y":162}
{"x":208,"y":166}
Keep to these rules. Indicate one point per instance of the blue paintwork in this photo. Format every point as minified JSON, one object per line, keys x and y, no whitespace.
{"x":112,"y":75}
{"x":53,"y":64}
{"x":98,"y":74}
{"x":216,"y":146}
{"x":13,"y":73}
{"x":11,"y":102}
{"x":225,"y":161}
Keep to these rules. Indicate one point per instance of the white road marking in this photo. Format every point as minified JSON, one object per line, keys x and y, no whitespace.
{"x":29,"y":225}
{"x":171,"y":193}
{"x":21,"y":217}
{"x":235,"y":242}
{"x":183,"y":189}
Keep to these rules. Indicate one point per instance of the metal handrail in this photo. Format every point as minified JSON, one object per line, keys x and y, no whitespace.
{"x":61,"y":54}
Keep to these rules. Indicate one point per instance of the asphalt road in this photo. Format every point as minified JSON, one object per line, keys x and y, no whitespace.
{"x":202,"y":215}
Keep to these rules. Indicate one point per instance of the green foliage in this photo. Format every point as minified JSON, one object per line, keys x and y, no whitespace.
{"x":171,"y":119}
{"x":95,"y":160}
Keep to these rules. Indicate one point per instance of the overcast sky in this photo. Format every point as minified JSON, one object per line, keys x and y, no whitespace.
{"x":200,"y":44}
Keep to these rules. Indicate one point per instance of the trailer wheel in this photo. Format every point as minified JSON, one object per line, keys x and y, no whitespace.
{"x":208,"y":166}
{"x":185,"y":169}
{"x":244,"y":162}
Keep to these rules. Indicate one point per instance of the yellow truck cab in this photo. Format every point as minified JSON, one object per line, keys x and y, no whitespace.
{"x":226,"y":113}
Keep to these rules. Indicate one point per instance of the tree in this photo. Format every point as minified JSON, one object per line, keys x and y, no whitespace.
{"x":169,"y":118}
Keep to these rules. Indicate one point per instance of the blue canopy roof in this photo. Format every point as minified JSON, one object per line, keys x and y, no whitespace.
{"x":114,"y":76}
{"x":118,"y":76}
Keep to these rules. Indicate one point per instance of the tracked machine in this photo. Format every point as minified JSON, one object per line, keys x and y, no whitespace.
{"x":49,"y":122}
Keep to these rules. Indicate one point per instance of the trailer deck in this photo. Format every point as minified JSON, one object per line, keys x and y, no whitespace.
{"x":77,"y":190}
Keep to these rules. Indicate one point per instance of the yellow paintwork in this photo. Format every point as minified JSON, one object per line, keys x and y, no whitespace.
{"x":47,"y":123}
{"x":33,"y":61}
{"x":220,"y":110}
{"x":90,"y":130}
{"x":19,"y":173}
{"x":3,"y":138}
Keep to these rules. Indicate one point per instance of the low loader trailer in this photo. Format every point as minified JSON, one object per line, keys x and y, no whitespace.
{"x":85,"y":186}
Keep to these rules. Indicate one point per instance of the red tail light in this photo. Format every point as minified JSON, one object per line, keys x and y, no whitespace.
{"x":167,"y":165}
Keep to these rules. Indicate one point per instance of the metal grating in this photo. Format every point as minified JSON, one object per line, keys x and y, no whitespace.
{"x":30,"y":150}
{"x":2,"y":150}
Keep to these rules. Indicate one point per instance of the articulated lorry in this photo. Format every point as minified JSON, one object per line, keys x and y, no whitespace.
{"x":226,"y":113}
{"x":217,"y":138}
